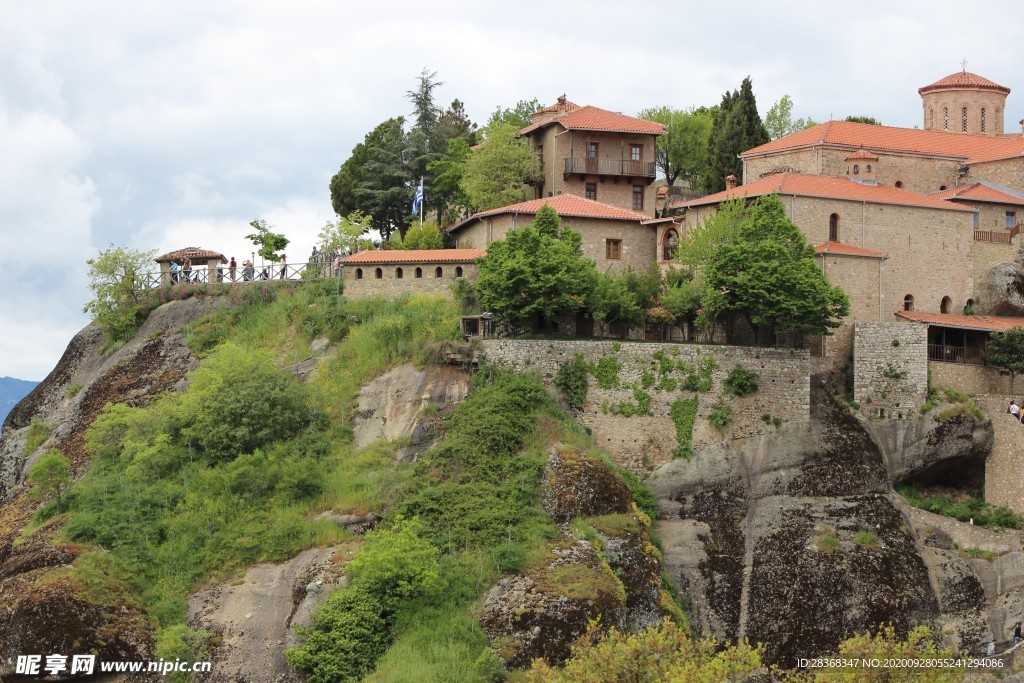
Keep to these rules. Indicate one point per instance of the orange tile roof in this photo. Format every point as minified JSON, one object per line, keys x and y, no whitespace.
{"x":840,"y":249}
{"x":967,"y":147}
{"x":597,"y":119}
{"x":569,"y":106}
{"x":828,"y":187}
{"x":415,"y":256}
{"x":963,"y":79}
{"x":862,"y":154}
{"x":567,"y":206}
{"x":191,"y":253}
{"x":986,"y":323}
{"x":980,"y":192}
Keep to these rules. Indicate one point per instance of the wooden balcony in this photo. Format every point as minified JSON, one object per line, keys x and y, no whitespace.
{"x":997,"y":236}
{"x":948,"y":353}
{"x":612,"y":167}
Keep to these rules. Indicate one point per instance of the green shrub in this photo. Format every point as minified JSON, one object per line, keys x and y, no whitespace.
{"x":607,"y":372}
{"x":73,"y":390}
{"x":720,"y":416}
{"x":50,"y":476}
{"x":179,"y":642}
{"x":865,"y":538}
{"x":826,"y":543}
{"x":38,"y":433}
{"x":574,"y":381}
{"x":616,"y":347}
{"x":684,"y":412}
{"x":647,"y":379}
{"x":976,"y":509}
{"x":667,"y":383}
{"x":740,"y":381}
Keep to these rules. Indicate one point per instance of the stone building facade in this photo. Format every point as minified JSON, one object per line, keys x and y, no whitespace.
{"x":395,"y":273}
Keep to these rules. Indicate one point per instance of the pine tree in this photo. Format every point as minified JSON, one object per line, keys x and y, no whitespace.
{"x":737,"y":129}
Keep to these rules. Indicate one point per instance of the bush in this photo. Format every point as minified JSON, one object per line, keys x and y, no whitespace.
{"x":573,"y":380}
{"x":720,"y":416}
{"x":865,"y":538}
{"x":607,"y":372}
{"x":684,"y":412}
{"x":740,"y":381}
{"x":50,"y":476}
{"x":73,"y":390}
{"x":38,"y":433}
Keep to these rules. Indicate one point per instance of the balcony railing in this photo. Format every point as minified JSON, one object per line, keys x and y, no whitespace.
{"x":997,"y":236}
{"x":955,"y":354}
{"x":601,"y":166}
{"x":313,"y":270}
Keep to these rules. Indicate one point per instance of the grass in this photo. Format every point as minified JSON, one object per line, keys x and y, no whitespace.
{"x":866,"y":539}
{"x":977,"y":553}
{"x":963,"y":508}
{"x":38,"y":433}
{"x":73,"y":390}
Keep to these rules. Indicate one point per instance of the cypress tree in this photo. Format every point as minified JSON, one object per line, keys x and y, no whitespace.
{"x":737,"y":128}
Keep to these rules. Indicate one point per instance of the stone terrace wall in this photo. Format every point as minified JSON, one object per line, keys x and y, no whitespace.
{"x":890,"y":376}
{"x":1004,"y":468}
{"x":642,"y":443}
{"x":972,"y":379}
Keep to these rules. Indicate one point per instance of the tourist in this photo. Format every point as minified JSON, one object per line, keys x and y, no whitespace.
{"x":231,"y":268}
{"x":284,"y":265}
{"x":247,"y":270}
{"x":1014,"y":410}
{"x":1016,"y":633}
{"x":174,"y":272}
{"x":186,"y":269}
{"x":990,"y":651}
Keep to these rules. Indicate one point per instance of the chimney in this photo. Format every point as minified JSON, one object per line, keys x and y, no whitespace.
{"x":730,"y":182}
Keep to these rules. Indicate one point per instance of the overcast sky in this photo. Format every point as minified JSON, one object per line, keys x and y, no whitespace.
{"x":165,"y":125}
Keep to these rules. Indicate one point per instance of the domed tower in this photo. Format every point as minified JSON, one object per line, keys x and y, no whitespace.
{"x":963,"y":102}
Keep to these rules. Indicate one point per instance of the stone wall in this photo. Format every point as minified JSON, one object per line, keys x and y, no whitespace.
{"x":642,"y":443}
{"x":1008,"y":172}
{"x":1004,"y":468}
{"x":361,"y":280}
{"x":971,"y":379}
{"x":890,"y":367}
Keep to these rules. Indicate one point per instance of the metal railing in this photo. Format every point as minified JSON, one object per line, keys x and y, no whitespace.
{"x":313,"y":270}
{"x":603,"y":166}
{"x":955,"y":354}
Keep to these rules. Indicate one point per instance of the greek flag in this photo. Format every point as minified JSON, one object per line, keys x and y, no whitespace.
{"x":417,"y":199}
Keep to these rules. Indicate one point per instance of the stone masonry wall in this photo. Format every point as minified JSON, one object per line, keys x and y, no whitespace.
{"x":642,"y":443}
{"x":391,"y":286}
{"x":890,"y":367}
{"x":1004,"y":468}
{"x":971,"y":379}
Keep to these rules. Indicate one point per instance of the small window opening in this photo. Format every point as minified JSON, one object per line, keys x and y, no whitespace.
{"x":398,"y":273}
{"x":908,"y":302}
{"x":833,"y":228}
{"x":458,"y":271}
{"x":378,"y":273}
{"x":359,"y":273}
{"x":419,"y":272}
{"x":945,"y":304}
{"x":438,"y":272}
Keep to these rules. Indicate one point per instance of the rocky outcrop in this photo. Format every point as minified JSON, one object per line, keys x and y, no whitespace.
{"x":1001,"y":290}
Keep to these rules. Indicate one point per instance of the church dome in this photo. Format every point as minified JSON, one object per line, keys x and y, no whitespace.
{"x":961,"y":80}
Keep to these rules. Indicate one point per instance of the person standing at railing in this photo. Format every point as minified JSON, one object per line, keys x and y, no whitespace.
{"x":284,"y":265}
{"x":247,"y":270}
{"x":231,"y":268}
{"x":174,"y":272}
{"x":186,"y":269}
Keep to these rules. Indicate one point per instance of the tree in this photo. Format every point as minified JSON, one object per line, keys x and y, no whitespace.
{"x":118,"y":297}
{"x":385,"y":189}
{"x":422,"y":99}
{"x":611,"y":301}
{"x":448,"y":173}
{"x":269,"y":243}
{"x":767,"y":274}
{"x":50,"y":476}
{"x":520,"y":115}
{"x":1006,"y":352}
{"x":346,"y":235}
{"x":682,"y":151}
{"x":864,"y":119}
{"x":921,"y":646}
{"x":496,"y":174}
{"x":426,"y":236}
{"x":779,"y":123}
{"x":533,"y":273}
{"x":737,"y":128}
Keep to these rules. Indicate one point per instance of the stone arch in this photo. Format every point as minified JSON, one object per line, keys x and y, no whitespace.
{"x":945,"y":305}
{"x":379,"y":273}
{"x":359,"y":273}
{"x":458,"y":271}
{"x":908,"y":302}
{"x":419,"y":272}
{"x":399,"y":274}
{"x":439,"y":272}
{"x":670,"y":244}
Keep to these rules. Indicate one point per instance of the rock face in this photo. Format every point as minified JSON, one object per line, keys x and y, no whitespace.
{"x":1001,"y":291}
{"x":797,"y":539}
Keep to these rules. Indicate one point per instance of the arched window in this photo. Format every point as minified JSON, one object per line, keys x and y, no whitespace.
{"x":671,"y":244}
{"x":833,"y":228}
{"x":899,"y":183}
{"x":945,"y":118}
{"x":931,"y":117}
{"x":359,"y":273}
{"x":945,"y":304}
{"x":458,"y":271}
{"x":908,"y":302}
{"x":378,"y":274}
{"x":963,"y":120}
{"x":941,"y":188}
{"x":869,"y":168}
{"x":983,"y":119}
{"x":398,"y":273}
{"x":969,"y":307}
{"x":856,"y":169}
{"x":419,"y":272}
{"x":438,"y":272}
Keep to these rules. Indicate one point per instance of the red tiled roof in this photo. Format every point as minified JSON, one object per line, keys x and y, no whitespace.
{"x":968,"y":147}
{"x":986,"y":323}
{"x":191,"y":253}
{"x":595,"y":118}
{"x":828,"y":187}
{"x":862,"y":154}
{"x":963,"y":79}
{"x":415,"y":256}
{"x":569,"y":106}
{"x":979,"y":192}
{"x":840,"y":249}
{"x":567,"y":206}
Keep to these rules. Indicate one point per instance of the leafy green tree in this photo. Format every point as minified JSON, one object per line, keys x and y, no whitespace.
{"x":498,"y":172}
{"x":386,"y":188}
{"x":426,"y":236}
{"x":1006,"y":352}
{"x":779,"y":120}
{"x":447,"y":187}
{"x":422,"y":99}
{"x":269,"y":243}
{"x":682,"y":151}
{"x":519,"y":115}
{"x":534,"y":273}
{"x":767,"y":274}
{"x":611,"y":301}
{"x":737,"y":128}
{"x":118,"y":298}
{"x":347,"y":234}
{"x":50,"y":476}
{"x":864,"y":119}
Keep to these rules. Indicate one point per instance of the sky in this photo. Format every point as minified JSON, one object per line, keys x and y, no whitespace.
{"x":162,"y":125}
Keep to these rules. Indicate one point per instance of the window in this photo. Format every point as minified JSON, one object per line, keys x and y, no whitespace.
{"x":438,"y":272}
{"x":963,"y":120}
{"x":1011,"y":219}
{"x":359,"y":273}
{"x":592,"y":191}
{"x":945,"y":304}
{"x":931,"y":117}
{"x":977,"y":220}
{"x":636,"y":152}
{"x":671,"y":244}
{"x":378,"y":273}
{"x":869,"y":168}
{"x":983,"y":119}
{"x":945,"y":118}
{"x":942,"y":188}
{"x":833,"y":228}
{"x":899,"y":183}
{"x":591,"y":150}
{"x":398,"y":273}
{"x":856,"y":169}
{"x":458,"y":271}
{"x":613,"y":249}
{"x":638,"y":197}
{"x":908,"y":302}
{"x":419,"y":272}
